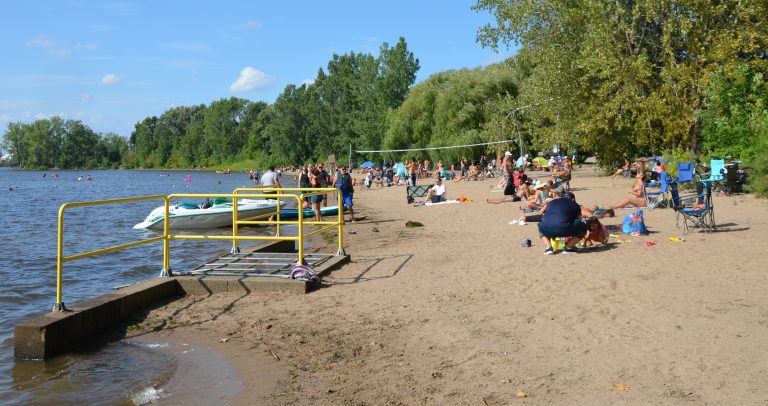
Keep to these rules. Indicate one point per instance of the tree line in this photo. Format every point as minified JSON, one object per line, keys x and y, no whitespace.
{"x":347,"y":103}
{"x":59,"y":143}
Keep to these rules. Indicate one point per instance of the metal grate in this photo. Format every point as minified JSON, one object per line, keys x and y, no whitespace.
{"x":257,"y":264}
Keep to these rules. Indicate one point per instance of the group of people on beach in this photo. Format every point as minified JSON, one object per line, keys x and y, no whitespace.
{"x":549,"y":202}
{"x":546,"y":200}
{"x":314,"y":176}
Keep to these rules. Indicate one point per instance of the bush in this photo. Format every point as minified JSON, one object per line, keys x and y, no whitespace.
{"x":757,"y":182}
{"x":672,"y":157}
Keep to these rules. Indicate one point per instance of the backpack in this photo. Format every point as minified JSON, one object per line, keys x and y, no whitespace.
{"x":634,"y":223}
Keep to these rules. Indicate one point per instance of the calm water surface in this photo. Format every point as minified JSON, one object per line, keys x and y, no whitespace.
{"x":121,"y":372}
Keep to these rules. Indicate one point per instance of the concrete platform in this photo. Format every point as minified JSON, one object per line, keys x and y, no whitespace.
{"x":54,"y":333}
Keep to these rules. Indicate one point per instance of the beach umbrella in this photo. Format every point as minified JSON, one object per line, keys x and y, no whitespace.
{"x":367,"y":164}
{"x":541,"y":161}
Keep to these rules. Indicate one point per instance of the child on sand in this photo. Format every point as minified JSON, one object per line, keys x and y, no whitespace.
{"x":596,"y":232}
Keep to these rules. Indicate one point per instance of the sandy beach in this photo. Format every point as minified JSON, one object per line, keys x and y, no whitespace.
{"x":457,"y":312}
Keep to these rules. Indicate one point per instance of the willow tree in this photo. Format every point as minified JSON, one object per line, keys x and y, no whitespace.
{"x":451,"y":108}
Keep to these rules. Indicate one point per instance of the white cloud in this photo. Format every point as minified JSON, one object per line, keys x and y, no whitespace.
{"x":251,"y":79}
{"x":111,"y":79}
{"x":253,"y":24}
{"x":90,"y":46}
{"x":49,"y":44}
{"x":307,"y":82}
{"x":85,"y":98}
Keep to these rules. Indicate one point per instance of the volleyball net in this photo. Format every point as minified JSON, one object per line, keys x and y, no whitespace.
{"x":382,"y":151}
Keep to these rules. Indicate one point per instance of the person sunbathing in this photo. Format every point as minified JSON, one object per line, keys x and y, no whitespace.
{"x":623,"y":169}
{"x":538,"y":199}
{"x":536,"y":216}
{"x":469,"y":174}
{"x":595,"y":211}
{"x":511,"y":194}
{"x":638,"y":196}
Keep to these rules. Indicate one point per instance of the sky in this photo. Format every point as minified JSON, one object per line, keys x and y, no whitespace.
{"x":110,"y":64}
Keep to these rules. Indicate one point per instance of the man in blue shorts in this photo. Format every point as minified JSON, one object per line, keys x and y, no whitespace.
{"x":562,"y":218}
{"x":345,"y":183}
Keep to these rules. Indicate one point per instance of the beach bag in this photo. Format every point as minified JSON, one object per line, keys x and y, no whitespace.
{"x":303,"y":273}
{"x":634,"y":223}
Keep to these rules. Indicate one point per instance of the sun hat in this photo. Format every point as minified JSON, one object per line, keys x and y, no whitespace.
{"x":507,"y":153}
{"x":540,"y":185}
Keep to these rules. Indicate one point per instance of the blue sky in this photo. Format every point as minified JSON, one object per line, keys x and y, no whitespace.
{"x":110,"y":64}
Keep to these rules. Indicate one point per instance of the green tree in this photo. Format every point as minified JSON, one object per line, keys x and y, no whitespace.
{"x":452,"y":108}
{"x":624,"y":75}
{"x":735,"y":120}
{"x":171,"y":127}
{"x":79,"y":146}
{"x":17,"y":144}
{"x":143,"y":142}
{"x":221,"y":129}
{"x":112,"y":149}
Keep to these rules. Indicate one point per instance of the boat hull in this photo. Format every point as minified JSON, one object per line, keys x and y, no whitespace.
{"x":213,"y":217}
{"x":291,"y":214}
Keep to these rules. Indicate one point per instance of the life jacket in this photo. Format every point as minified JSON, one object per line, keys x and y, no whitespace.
{"x":304,"y":181}
{"x":346,"y":183}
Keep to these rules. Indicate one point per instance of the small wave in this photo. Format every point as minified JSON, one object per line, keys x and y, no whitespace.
{"x":156,"y":345}
{"x":147,"y":396}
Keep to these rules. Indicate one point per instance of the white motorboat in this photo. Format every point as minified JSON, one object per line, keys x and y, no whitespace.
{"x":212,"y":215}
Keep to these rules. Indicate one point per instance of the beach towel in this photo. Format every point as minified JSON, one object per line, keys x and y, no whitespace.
{"x":436,"y":204}
{"x":303,"y":273}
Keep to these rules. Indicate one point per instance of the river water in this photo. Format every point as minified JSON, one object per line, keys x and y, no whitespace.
{"x":120,"y":372}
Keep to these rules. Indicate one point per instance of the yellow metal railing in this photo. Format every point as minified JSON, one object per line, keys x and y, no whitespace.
{"x":60,"y":258}
{"x":280,"y":193}
{"x":274,"y":219}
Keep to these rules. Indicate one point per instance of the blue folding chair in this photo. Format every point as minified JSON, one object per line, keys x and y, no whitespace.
{"x":657,"y":197}
{"x":685,"y":175}
{"x":716,"y":172}
{"x":695,"y":211}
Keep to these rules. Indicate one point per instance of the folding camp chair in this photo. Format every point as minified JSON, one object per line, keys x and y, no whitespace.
{"x":716,"y":172}
{"x":691,"y":212}
{"x":657,"y":198}
{"x":685,"y":176}
{"x":412,"y":192}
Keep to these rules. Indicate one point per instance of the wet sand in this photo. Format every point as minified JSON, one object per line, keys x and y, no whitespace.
{"x":457,"y":312}
{"x":210,"y":371}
